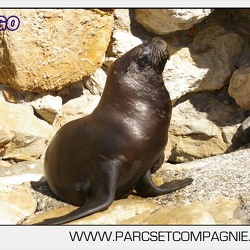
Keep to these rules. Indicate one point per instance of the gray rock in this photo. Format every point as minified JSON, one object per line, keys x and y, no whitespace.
{"x":164,"y":21}
{"x":95,"y":84}
{"x":203,"y":124}
{"x":122,"y":19}
{"x":205,"y":64}
{"x":29,"y":135}
{"x":122,"y":42}
{"x":48,"y":107}
{"x":78,"y":107}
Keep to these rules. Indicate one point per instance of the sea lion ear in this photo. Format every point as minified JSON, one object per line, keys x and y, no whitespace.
{"x":141,"y":56}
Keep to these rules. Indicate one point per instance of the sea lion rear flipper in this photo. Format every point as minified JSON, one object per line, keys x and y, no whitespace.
{"x":103,"y":196}
{"x":146,"y":187}
{"x":87,"y":209}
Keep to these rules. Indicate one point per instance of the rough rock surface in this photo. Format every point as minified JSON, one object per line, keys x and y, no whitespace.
{"x":218,"y":211}
{"x":16,"y":204}
{"x":204,"y":124}
{"x":9,"y":94}
{"x":4,"y":164}
{"x":5,"y":137}
{"x":61,"y":47}
{"x":121,"y":42}
{"x":205,"y":64}
{"x":137,"y":211}
{"x":95,"y":84}
{"x":122,"y":19}
{"x":48,"y":107}
{"x":164,"y":21}
{"x":78,"y":107}
{"x":25,"y":136}
{"x":239,"y":87}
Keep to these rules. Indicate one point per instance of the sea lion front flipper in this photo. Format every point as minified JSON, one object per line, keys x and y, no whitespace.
{"x":146,"y":187}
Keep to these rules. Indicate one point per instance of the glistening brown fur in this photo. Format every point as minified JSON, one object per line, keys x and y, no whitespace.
{"x":106,"y":155}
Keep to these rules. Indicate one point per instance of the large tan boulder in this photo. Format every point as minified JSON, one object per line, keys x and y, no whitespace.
{"x":53,"y":48}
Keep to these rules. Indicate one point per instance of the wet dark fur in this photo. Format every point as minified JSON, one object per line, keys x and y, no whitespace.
{"x":106,"y":155}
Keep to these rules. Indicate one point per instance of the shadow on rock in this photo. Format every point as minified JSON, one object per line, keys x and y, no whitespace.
{"x":242,"y":136}
{"x":42,"y":187}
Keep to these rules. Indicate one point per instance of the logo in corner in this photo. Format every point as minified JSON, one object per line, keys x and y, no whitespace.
{"x":11,"y":23}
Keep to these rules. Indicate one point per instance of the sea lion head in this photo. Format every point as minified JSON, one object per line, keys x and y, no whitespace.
{"x":151,"y":54}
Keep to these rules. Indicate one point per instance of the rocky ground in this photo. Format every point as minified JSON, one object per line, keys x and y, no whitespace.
{"x":218,"y":182}
{"x":225,"y":175}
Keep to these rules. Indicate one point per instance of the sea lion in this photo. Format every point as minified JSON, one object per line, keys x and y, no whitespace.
{"x":106,"y":155}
